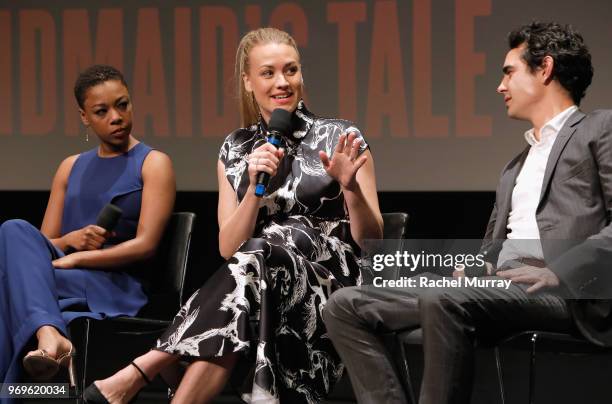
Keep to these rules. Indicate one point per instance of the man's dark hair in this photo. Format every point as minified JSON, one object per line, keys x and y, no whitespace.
{"x":572,"y":61}
{"x":92,"y":76}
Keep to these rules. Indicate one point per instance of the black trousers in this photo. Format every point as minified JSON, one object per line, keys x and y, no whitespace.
{"x":451,"y":319}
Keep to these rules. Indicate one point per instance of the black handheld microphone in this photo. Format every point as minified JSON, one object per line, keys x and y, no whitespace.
{"x":279,"y":126}
{"x":107,"y":219}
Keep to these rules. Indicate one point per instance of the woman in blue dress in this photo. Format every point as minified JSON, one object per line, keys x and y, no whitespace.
{"x":71,"y":267}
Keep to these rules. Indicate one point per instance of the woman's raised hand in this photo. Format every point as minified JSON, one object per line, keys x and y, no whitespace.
{"x":265,"y":158}
{"x":90,"y":237}
{"x":344,"y":164}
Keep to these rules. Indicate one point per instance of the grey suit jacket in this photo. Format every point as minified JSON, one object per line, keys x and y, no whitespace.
{"x":573,"y":217}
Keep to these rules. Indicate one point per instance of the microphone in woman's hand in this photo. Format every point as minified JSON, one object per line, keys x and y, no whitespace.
{"x":279,"y":126}
{"x":107,"y":219}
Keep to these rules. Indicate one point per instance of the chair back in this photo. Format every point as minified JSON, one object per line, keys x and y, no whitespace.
{"x":396,"y":225}
{"x":169,"y":268}
{"x":395,"y":230}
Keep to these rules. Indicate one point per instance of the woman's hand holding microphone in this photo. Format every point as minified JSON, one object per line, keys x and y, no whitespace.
{"x":266,"y":158}
{"x":80,"y":241}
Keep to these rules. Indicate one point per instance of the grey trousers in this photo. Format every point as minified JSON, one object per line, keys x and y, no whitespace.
{"x":450,"y":318}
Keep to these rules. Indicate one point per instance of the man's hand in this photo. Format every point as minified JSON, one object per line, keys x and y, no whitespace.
{"x":460,"y":272}
{"x":538,"y":278}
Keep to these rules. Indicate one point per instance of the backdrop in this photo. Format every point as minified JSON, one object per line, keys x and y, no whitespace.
{"x":418,"y":77}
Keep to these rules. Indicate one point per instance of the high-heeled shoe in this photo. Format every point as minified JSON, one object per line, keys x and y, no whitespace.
{"x":41,"y":366}
{"x":93,"y":395}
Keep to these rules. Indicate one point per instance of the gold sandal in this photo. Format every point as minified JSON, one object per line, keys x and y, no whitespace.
{"x":41,"y":366}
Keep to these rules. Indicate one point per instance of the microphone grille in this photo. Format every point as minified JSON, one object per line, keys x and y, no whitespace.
{"x":280,"y":121}
{"x":109,"y":216}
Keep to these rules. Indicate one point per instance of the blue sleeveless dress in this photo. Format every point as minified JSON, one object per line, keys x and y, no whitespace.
{"x":33,"y":293}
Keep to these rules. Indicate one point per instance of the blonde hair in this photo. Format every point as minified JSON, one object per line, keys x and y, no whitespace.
{"x":249,"y":110}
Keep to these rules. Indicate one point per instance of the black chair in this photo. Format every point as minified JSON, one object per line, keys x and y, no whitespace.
{"x":396,"y":225}
{"x":395,"y":230}
{"x":106,"y":341}
{"x":533,"y":341}
{"x":402,"y":339}
{"x":544,"y":342}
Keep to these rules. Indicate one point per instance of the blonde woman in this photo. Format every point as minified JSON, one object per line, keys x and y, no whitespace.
{"x":286,"y":252}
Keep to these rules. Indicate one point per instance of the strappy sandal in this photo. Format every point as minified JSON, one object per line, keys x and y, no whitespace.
{"x":41,"y":366}
{"x":93,"y":395}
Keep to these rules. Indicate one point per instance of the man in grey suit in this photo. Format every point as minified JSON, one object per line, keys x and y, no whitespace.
{"x":549,"y":233}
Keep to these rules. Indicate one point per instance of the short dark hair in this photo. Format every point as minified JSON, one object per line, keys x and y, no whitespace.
{"x":92,"y":76}
{"x":572,"y":60}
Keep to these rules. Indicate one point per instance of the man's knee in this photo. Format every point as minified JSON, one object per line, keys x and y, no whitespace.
{"x":436,"y":300}
{"x":339,"y":307}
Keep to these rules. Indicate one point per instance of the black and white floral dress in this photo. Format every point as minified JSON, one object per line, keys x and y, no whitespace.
{"x":266,"y":300}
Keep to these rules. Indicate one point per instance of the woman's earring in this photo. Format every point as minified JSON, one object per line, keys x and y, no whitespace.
{"x":87,"y":133}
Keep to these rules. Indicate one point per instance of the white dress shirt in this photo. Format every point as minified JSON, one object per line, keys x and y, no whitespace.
{"x":523,"y":233}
